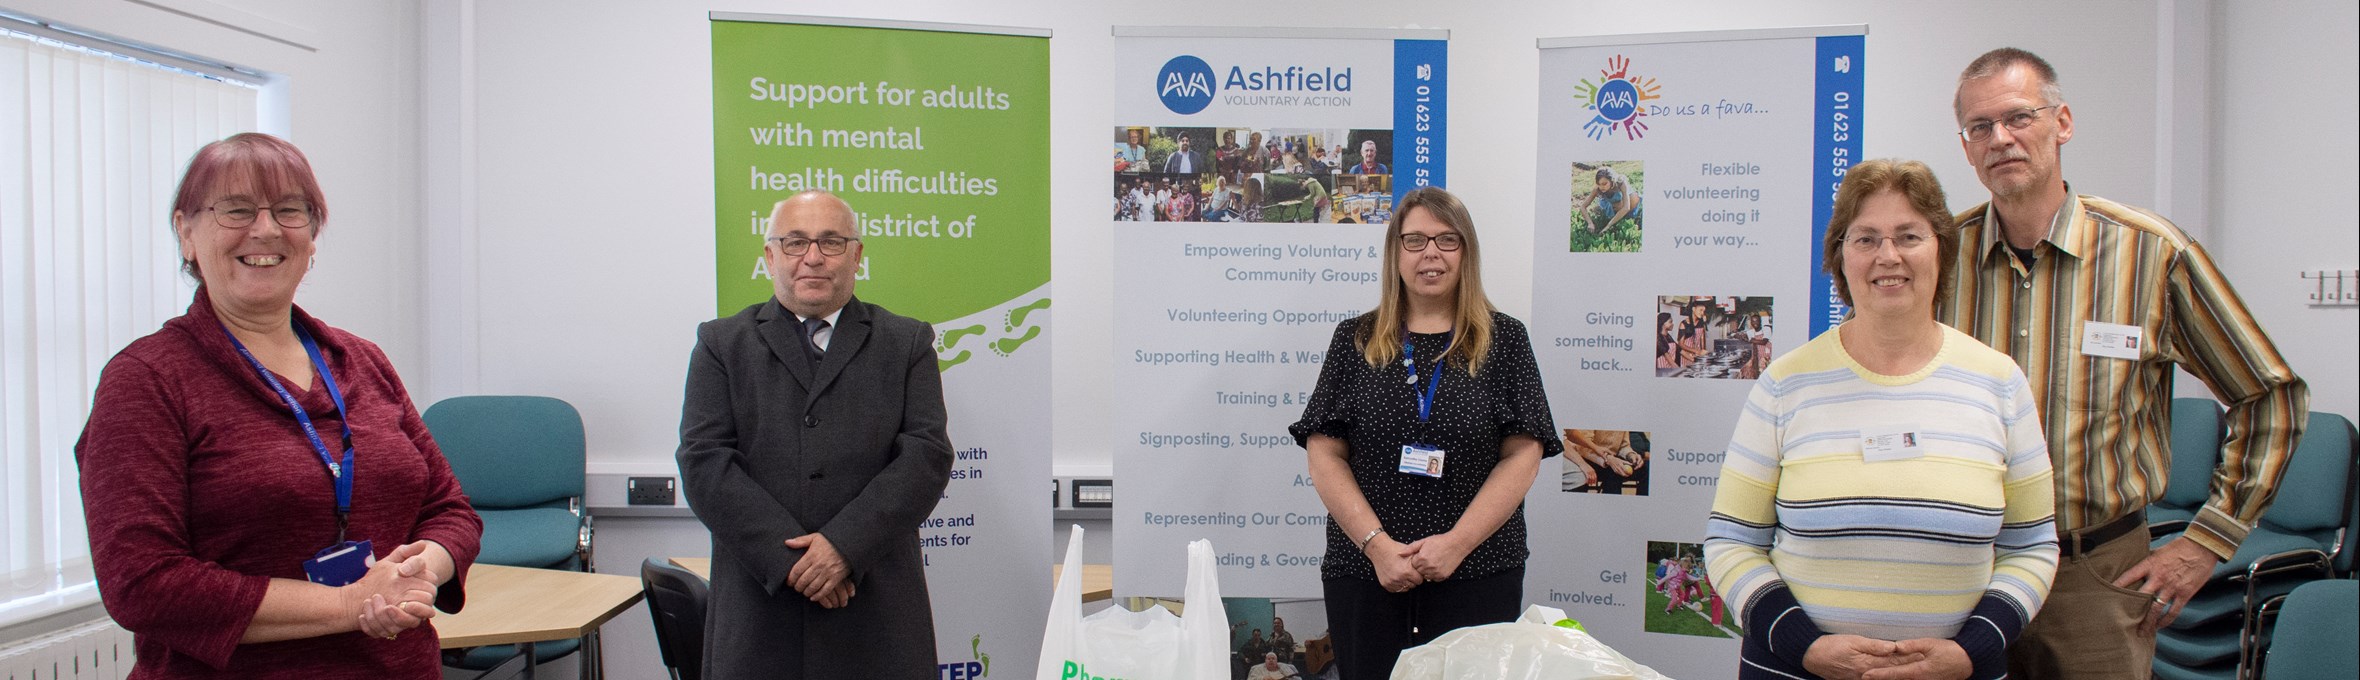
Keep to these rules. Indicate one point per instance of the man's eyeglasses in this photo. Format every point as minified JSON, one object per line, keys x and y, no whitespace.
{"x":1417,"y":242}
{"x":795,"y":246}
{"x":239,"y":213}
{"x":2019,"y":119}
{"x":1865,"y":243}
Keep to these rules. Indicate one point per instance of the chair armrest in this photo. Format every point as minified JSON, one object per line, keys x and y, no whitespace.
{"x":582,"y":548}
{"x":2336,"y":551}
{"x":2250,"y":629}
{"x":2155,"y":531}
{"x":2279,"y":563}
{"x":2249,"y":635}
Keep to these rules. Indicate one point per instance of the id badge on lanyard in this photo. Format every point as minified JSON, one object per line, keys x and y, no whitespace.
{"x":1424,"y":460}
{"x":344,"y":561}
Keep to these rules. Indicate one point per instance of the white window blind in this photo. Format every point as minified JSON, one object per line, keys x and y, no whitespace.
{"x":94,"y":144}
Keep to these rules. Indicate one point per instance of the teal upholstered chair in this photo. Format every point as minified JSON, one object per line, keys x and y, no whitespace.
{"x":2196,"y":450}
{"x":2302,"y":537}
{"x":519,"y":459}
{"x":2314,"y":634}
{"x":2203,"y":645}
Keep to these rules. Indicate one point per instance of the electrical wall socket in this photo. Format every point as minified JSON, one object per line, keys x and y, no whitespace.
{"x":651,"y":491}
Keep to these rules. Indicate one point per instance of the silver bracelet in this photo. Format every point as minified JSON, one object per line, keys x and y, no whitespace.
{"x":1372,"y":536}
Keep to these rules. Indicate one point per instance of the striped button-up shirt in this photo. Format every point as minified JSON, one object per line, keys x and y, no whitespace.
{"x":2109,"y":420}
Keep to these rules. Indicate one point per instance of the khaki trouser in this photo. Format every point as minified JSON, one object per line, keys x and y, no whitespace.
{"x":2089,"y":629}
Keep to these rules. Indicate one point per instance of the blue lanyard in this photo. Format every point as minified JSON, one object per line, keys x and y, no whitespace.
{"x":341,"y":473}
{"x":1433,"y":385}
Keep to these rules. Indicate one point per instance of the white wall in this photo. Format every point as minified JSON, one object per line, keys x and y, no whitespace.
{"x":2286,"y":171}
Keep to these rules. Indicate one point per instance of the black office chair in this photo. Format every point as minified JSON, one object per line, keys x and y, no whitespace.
{"x":676,"y":600}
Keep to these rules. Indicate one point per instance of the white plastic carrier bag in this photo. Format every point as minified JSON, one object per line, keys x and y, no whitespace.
{"x":1119,"y":644}
{"x":1529,"y":648}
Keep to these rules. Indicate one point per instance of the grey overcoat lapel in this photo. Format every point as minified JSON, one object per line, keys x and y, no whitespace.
{"x":852,"y":331}
{"x":784,"y":335}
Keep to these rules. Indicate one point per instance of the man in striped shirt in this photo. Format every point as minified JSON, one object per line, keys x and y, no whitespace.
{"x":2098,"y":301}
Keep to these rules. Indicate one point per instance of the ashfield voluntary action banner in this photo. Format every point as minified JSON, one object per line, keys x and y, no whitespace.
{"x":1251,"y":173}
{"x":1684,"y":183}
{"x":938,"y":136}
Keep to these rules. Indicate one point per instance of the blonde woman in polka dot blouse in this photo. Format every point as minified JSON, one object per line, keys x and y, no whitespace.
{"x":1426,"y":428}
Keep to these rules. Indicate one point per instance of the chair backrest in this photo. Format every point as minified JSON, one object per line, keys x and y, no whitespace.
{"x":2349,"y":551}
{"x":2313,"y":637}
{"x":511,"y":451}
{"x":2313,"y":496}
{"x":676,"y":599}
{"x":2196,"y":450}
{"x":2348,"y":539}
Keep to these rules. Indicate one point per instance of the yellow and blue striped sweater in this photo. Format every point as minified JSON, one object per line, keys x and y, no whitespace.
{"x":1952,"y":536}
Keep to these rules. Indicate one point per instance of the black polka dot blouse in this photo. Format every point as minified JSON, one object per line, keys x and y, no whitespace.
{"x":1374,"y":410}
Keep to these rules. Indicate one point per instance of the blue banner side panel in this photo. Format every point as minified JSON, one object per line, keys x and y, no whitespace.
{"x":1420,"y":109}
{"x":1835,"y":147}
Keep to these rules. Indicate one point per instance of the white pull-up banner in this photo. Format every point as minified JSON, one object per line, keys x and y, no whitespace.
{"x":1684,"y":183}
{"x":1252,"y":171}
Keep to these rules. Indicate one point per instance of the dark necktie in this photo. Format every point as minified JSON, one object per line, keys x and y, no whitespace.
{"x":811,"y":329}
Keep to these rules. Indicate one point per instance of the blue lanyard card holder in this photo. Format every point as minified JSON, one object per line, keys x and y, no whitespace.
{"x":341,"y":564}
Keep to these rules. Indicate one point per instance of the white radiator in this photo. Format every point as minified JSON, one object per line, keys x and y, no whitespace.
{"x":98,"y":650}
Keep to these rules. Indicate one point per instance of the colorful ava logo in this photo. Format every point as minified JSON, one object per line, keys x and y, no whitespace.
{"x":1615,"y":101}
{"x":1185,"y":85}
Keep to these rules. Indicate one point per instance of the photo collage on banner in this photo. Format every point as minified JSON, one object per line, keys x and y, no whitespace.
{"x":1251,"y":175}
{"x":1683,"y":185}
{"x":938,"y":137}
{"x":1287,"y":176}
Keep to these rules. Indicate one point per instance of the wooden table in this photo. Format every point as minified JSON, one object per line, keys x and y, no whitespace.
{"x":1097,"y":579}
{"x":520,"y":606}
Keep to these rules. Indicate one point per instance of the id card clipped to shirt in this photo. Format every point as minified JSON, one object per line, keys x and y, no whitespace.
{"x":1421,"y":460}
{"x":340,"y":564}
{"x":2111,"y":340}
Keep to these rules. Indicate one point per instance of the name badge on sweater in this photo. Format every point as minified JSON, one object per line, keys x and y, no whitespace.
{"x":1878,"y":444}
{"x":2112,"y":340}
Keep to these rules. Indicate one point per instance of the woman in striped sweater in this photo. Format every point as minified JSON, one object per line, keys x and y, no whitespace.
{"x":1885,"y":507}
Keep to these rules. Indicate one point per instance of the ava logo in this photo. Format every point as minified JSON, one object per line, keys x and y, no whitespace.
{"x":1616,"y":100}
{"x":1185,"y":85}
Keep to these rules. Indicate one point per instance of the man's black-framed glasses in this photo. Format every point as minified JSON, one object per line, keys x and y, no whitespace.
{"x":793,"y":246}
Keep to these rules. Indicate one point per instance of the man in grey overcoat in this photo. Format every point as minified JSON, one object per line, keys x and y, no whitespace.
{"x":812,"y":444}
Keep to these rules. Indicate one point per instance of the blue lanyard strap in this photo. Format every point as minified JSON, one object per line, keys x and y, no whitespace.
{"x":1433,"y":385}
{"x":340,"y":473}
